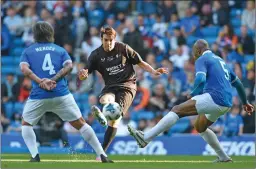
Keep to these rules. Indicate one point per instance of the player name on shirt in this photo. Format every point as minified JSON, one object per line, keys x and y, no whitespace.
{"x":45,"y":59}
{"x":43,"y":48}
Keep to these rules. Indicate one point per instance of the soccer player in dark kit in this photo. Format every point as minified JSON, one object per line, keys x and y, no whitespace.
{"x":114,"y":61}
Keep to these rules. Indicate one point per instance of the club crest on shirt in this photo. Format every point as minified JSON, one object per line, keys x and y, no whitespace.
{"x":110,"y":58}
{"x":102,"y":59}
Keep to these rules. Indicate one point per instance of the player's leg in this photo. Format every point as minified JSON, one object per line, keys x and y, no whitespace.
{"x":107,"y":97}
{"x":202,"y":123}
{"x":33,"y":111}
{"x":187,"y":108}
{"x":66,"y":108}
{"x":89,"y":135}
{"x":124,"y":98}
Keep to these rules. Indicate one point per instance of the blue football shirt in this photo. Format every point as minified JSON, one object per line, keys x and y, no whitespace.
{"x":46,"y":60}
{"x":218,"y":78}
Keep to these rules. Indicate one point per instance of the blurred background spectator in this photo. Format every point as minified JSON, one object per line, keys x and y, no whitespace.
{"x":233,"y":123}
{"x":14,"y":22}
{"x":219,"y":16}
{"x":162,"y":32}
{"x":248,"y":15}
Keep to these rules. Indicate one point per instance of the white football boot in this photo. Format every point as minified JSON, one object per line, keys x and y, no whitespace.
{"x":218,"y":160}
{"x":99,"y":116}
{"x":138,"y":135}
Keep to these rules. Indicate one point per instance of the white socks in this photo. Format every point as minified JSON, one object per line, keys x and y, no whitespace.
{"x":210,"y":137}
{"x":29,"y":137}
{"x":89,"y":136}
{"x":170,"y":119}
{"x":86,"y":131}
{"x":165,"y":123}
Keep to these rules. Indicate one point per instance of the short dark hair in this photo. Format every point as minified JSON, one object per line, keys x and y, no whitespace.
{"x":199,"y":47}
{"x":108,"y":30}
{"x":43,"y":32}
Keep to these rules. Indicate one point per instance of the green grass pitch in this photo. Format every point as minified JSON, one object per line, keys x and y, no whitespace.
{"x":122,"y":161}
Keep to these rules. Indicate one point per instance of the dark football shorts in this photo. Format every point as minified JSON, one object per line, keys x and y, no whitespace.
{"x":123,"y":96}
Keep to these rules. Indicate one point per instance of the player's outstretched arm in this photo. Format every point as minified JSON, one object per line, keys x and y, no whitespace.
{"x":241,"y":92}
{"x":145,"y":66}
{"x":67,"y":68}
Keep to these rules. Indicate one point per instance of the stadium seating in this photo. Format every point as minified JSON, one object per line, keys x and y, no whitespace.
{"x":96,"y":17}
{"x":18,"y":42}
{"x":211,"y":31}
{"x":16,"y":61}
{"x":191,"y":40}
{"x":210,"y":40}
{"x":142,"y":115}
{"x":235,"y":12}
{"x":181,"y":126}
{"x":8,"y":109}
{"x":18,"y":107}
{"x":17,"y":51}
{"x":236,"y":22}
{"x":8,"y":69}
{"x":122,"y":5}
{"x":7,"y":60}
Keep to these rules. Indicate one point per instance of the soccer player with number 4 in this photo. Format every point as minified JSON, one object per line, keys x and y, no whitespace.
{"x":46,"y":64}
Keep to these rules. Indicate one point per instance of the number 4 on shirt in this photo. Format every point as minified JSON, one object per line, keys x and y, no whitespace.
{"x":47,"y":64}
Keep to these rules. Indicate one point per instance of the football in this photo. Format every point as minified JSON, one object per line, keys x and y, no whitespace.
{"x":112,"y":111}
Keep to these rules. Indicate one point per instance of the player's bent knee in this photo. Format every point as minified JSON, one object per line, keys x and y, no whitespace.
{"x":199,"y":128}
{"x":77,"y":124}
{"x":24,"y":123}
{"x":107,"y":98}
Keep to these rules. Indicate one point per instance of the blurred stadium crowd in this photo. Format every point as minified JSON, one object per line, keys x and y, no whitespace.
{"x":162,"y":32}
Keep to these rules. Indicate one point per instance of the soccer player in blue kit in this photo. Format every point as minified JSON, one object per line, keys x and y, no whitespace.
{"x":46,"y":64}
{"x":212,"y":97}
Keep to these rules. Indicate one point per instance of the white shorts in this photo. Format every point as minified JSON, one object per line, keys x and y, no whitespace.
{"x":64,"y":106}
{"x":205,"y":105}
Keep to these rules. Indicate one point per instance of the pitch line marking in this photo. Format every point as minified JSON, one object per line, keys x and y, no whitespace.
{"x":122,"y":161}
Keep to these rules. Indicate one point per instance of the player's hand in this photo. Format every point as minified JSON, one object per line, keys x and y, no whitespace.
{"x":248,"y":108}
{"x":53,"y":85}
{"x":189,"y":96}
{"x":160,"y":71}
{"x":83,"y":74}
{"x":47,"y":84}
